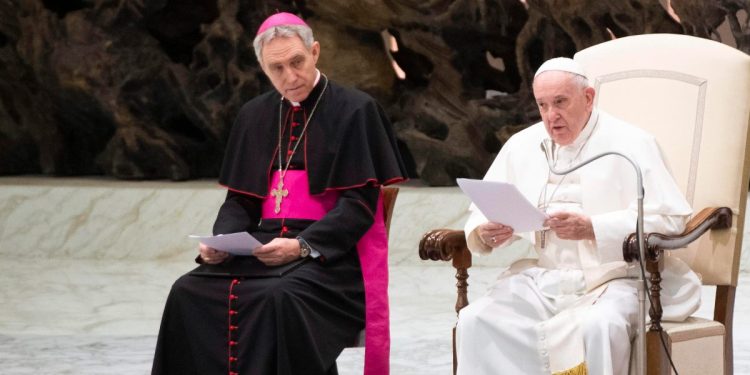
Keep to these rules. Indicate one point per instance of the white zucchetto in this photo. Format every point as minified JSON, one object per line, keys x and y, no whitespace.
{"x":563,"y":64}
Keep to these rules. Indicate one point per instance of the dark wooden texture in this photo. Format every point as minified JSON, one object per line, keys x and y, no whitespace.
{"x":149,"y":89}
{"x":445,"y":245}
{"x":656,"y":360}
{"x":389,"y":202}
{"x":724,"y":313}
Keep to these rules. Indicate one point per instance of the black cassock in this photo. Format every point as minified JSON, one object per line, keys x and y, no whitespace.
{"x":241,"y":317}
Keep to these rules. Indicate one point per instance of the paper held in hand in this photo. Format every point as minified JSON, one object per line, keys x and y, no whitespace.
{"x":501,"y":202}
{"x":240,"y":243}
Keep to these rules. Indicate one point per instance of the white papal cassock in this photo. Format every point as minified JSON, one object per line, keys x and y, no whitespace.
{"x":571,"y":309}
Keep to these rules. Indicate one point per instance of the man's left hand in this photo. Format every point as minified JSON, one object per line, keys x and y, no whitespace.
{"x":571,"y":226}
{"x":279,"y":251}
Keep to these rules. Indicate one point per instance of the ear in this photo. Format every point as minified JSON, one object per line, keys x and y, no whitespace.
{"x":315,"y":50}
{"x":590,"y":95}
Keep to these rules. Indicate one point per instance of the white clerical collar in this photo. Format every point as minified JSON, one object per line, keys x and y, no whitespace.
{"x":317,"y":79}
{"x":586,"y":131}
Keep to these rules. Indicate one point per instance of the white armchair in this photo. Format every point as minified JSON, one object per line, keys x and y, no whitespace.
{"x":693,"y":94}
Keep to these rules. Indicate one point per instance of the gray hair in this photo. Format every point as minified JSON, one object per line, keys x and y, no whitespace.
{"x":284,"y":31}
{"x":581,"y":81}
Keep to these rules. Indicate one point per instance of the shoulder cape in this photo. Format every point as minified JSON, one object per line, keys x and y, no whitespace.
{"x":349,"y":143}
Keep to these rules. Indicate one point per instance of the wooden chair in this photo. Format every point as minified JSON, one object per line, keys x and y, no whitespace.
{"x":389,"y":201}
{"x":694,"y":95}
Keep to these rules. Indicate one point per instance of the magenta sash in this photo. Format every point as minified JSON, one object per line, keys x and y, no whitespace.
{"x":373,"y":257}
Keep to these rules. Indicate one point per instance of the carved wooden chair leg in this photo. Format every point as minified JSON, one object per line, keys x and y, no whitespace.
{"x":445,"y":245}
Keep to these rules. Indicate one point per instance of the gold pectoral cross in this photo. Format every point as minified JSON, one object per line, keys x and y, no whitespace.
{"x":279,"y":193}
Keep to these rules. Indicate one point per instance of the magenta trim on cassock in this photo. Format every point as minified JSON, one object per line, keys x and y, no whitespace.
{"x":373,"y":257}
{"x":299,"y":204}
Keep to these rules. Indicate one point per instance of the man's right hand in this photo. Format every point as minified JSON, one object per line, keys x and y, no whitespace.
{"x":494,"y":234}
{"x":210,"y":255}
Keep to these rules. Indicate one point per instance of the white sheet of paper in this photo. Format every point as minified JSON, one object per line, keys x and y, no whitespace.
{"x":501,"y":202}
{"x":240,"y":243}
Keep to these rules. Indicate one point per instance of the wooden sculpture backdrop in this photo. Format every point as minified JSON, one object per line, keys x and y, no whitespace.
{"x":141,"y":89}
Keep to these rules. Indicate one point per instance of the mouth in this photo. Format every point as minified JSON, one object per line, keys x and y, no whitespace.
{"x":558,"y":128}
{"x":293,"y":89}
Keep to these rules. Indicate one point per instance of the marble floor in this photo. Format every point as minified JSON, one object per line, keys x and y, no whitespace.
{"x":99,"y":313}
{"x":103,"y":319}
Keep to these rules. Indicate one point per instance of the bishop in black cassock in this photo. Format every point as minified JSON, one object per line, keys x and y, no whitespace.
{"x":332,"y":150}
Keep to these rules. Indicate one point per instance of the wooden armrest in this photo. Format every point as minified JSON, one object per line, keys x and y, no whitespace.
{"x":442,"y":244}
{"x":707,"y":219}
{"x":445,"y":245}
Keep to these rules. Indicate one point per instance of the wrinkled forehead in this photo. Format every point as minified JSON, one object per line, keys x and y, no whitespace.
{"x":283,"y":48}
{"x":554,"y":83}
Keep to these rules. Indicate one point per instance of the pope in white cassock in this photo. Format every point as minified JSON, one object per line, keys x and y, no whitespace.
{"x":571,"y":309}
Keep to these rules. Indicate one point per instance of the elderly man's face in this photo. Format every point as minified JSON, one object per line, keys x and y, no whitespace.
{"x":290,"y":66}
{"x":565,"y":106}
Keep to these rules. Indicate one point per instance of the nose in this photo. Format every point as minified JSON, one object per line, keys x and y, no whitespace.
{"x":551,"y":113}
{"x":289,"y":75}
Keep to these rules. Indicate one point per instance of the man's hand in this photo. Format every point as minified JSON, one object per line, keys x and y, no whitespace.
{"x":279,"y":251}
{"x":211,"y":255}
{"x":494,"y":234}
{"x":571,"y":226}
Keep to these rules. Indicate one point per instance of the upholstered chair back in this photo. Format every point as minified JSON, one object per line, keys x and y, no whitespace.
{"x":693,"y":94}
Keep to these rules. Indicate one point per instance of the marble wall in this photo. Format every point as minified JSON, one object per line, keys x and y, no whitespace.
{"x":109,"y":219}
{"x":103,"y":219}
